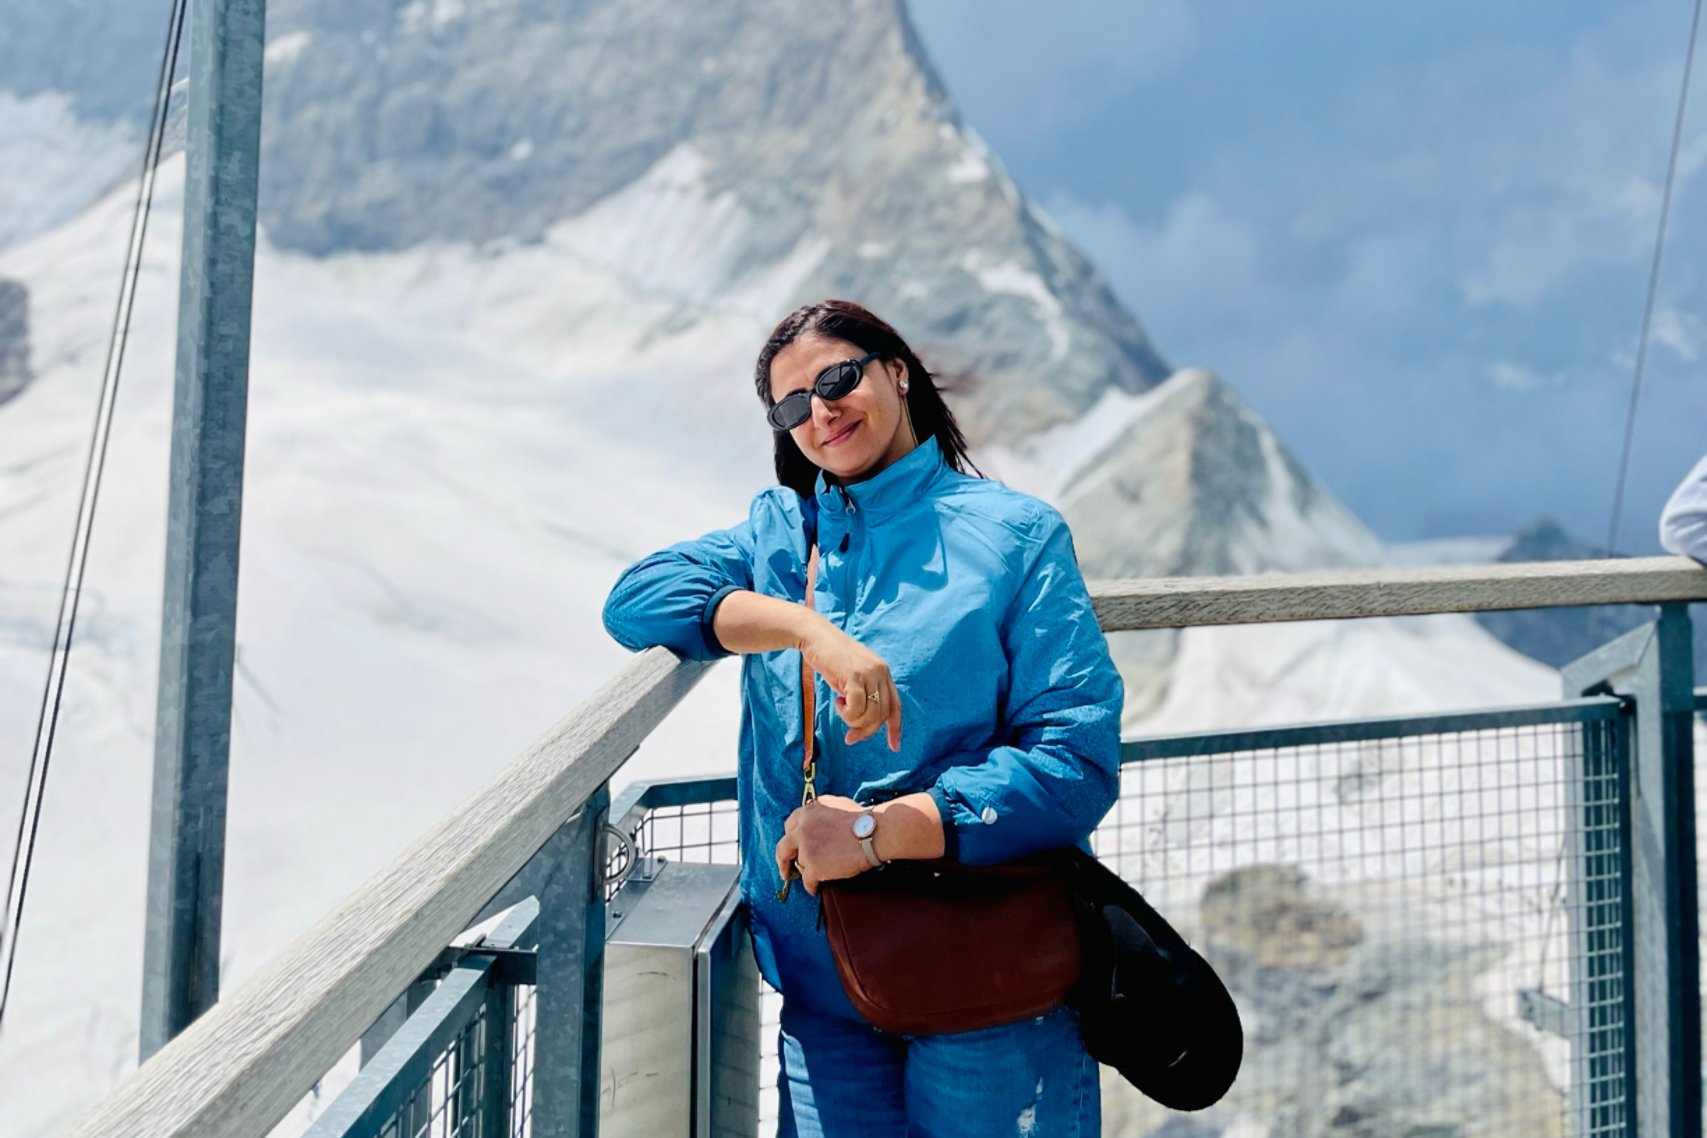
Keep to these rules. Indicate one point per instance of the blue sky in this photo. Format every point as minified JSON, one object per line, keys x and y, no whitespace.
{"x":1415,"y":237}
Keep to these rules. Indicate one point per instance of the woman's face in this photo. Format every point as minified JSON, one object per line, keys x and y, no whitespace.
{"x":859,"y":434}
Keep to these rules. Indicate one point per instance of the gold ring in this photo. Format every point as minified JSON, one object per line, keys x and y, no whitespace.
{"x":874,"y":694}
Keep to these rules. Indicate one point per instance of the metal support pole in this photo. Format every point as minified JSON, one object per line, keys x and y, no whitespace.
{"x":1667,"y":919}
{"x":497,"y":1069}
{"x":1660,"y":997}
{"x":569,"y":997}
{"x":186,"y":858}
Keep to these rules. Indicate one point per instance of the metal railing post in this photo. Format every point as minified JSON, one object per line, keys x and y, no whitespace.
{"x":497,"y":1043}
{"x":1661,"y":994}
{"x":1666,"y":914}
{"x":569,"y":996}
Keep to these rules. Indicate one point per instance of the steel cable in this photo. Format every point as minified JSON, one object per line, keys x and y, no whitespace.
{"x":1558,"y":894}
{"x":65,"y":624}
{"x":1653,"y":285}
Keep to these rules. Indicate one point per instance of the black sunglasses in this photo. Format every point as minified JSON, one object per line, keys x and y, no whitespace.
{"x":833,"y":382}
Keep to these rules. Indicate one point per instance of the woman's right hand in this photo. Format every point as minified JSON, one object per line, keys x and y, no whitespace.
{"x":866,"y":696}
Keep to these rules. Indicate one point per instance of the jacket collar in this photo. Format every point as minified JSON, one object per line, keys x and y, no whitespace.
{"x":902,"y":481}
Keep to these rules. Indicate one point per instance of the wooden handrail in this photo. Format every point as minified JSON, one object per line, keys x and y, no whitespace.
{"x":1185,"y":602}
{"x":240,"y":1068}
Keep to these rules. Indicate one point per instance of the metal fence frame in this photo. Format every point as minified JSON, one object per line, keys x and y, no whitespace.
{"x":540,"y":1078}
{"x":1603,"y":1012}
{"x":1604,"y":762}
{"x":392,"y":1095}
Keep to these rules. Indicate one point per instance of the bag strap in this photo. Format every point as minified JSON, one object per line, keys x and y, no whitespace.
{"x":809,"y":692}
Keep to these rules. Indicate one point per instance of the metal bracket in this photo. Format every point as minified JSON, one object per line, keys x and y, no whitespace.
{"x":630,"y":857}
{"x":510,"y":966}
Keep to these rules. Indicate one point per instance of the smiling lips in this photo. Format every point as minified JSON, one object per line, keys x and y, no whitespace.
{"x":841,"y":436}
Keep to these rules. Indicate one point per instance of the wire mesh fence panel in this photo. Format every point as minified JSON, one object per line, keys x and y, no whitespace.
{"x":1425,"y":932}
{"x":521,"y":1061}
{"x":703,"y":833}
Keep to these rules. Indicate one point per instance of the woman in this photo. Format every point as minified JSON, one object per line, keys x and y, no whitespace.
{"x":980,"y":708}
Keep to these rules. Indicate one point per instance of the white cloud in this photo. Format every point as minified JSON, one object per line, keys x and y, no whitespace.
{"x":1683,"y":333}
{"x":1571,"y":172}
{"x":1198,"y":260}
{"x":1508,"y":376}
{"x":285,"y":48}
{"x":1034,"y":67}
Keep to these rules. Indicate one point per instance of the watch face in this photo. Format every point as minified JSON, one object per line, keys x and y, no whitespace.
{"x":864,"y":826}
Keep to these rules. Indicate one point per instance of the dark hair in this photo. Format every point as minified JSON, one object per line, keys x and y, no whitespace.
{"x":864,"y":329}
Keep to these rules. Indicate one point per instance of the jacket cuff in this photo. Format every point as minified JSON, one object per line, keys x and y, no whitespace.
{"x":950,"y":832}
{"x":712,"y":644}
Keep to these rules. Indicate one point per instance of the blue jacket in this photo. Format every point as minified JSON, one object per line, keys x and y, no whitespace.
{"x":971,"y":593}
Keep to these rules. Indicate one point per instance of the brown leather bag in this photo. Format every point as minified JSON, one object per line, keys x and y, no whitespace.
{"x":932,"y":946}
{"x":928,"y":947}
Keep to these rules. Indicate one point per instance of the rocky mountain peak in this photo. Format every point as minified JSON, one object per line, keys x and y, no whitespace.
{"x":1546,"y":540}
{"x":1194,"y":483}
{"x":822,"y":132}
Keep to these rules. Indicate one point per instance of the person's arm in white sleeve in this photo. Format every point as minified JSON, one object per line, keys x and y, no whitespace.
{"x":1683,"y":522}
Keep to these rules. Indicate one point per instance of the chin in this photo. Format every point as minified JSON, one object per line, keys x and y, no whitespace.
{"x":847,"y":470}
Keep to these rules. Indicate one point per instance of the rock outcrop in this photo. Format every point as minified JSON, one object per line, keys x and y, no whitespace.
{"x":1350,"y":1035}
{"x":14,"y":338}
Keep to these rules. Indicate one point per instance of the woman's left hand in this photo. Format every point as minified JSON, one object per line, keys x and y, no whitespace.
{"x":819,"y":838}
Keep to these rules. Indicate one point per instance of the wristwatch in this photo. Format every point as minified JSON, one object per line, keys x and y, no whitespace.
{"x":865,"y":829}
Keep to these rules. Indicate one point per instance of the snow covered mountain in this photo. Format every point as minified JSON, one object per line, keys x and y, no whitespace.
{"x":810,"y":147}
{"x":515,"y":266}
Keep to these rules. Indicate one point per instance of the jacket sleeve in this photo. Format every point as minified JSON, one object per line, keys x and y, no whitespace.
{"x":1060,"y":770}
{"x":670,"y":597}
{"x":1683,"y":523}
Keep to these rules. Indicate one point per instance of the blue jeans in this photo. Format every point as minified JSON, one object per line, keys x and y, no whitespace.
{"x":843,"y":1079}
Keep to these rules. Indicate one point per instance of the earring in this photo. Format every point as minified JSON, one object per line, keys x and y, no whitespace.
{"x":903,"y":386}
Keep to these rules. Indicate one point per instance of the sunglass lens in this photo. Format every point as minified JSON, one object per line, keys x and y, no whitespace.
{"x":791,"y":411}
{"x":835,"y":382}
